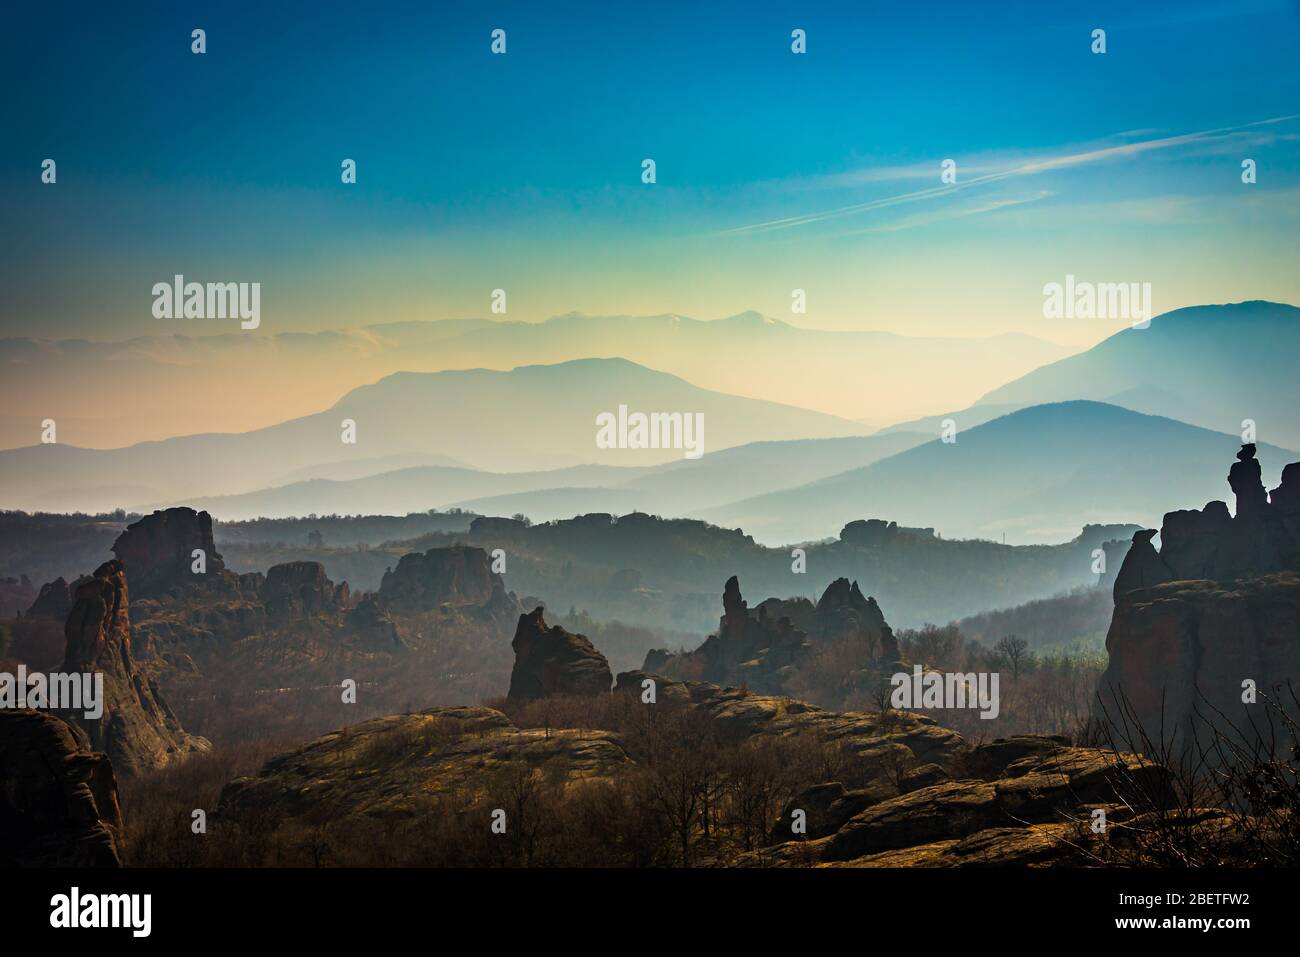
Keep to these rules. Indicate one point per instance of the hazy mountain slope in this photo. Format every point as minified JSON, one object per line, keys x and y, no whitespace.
{"x":685,"y":488}
{"x":261,"y":378}
{"x":399,"y":492}
{"x":529,"y":419}
{"x":676,"y":488}
{"x":345,"y":469}
{"x":1036,"y":474}
{"x":932,"y":425}
{"x":1211,"y":366}
{"x":875,"y":377}
{"x":265,"y":378}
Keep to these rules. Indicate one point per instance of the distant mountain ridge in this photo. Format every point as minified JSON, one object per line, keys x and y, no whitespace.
{"x":531,"y":418}
{"x":1212,"y":366}
{"x":676,"y":488}
{"x":1033,"y":475}
{"x":264,"y":379}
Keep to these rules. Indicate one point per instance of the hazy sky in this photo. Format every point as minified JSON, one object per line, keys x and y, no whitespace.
{"x":775,"y":171}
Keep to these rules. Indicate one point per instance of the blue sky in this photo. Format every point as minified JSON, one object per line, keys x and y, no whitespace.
{"x":523,"y":171}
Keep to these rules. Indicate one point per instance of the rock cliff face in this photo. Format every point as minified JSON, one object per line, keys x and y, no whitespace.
{"x":158,"y":550}
{"x":137,"y":730}
{"x":459,"y":578}
{"x":58,"y":799}
{"x":298,"y":590}
{"x":185,"y":621}
{"x":552,"y":661}
{"x":1217,"y":605}
{"x":372,"y":628}
{"x":764,"y":649}
{"x":53,"y":601}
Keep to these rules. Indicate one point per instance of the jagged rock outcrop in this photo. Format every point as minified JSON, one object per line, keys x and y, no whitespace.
{"x":53,"y":601}
{"x":1246,"y":483}
{"x":1142,"y":566}
{"x":551,"y":660}
{"x":1217,"y":605}
{"x":299,"y":590}
{"x":371,"y":627}
{"x":875,"y":532}
{"x":137,"y":730}
{"x":766,"y":648}
{"x":459,"y":578}
{"x":158,"y":553}
{"x":58,"y":799}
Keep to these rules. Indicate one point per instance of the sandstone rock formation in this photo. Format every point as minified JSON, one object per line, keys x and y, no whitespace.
{"x":298,"y":590}
{"x":58,"y":799}
{"x":876,"y":532}
{"x":158,"y":550}
{"x":185,"y":622}
{"x":1217,"y":605}
{"x":907,"y":791}
{"x":382,"y":767}
{"x":1032,"y":811}
{"x":54,"y":601}
{"x":425,"y":581}
{"x":551,"y":661}
{"x":137,"y":730}
{"x":372,"y":628}
{"x":766,"y":648}
{"x":872,"y":744}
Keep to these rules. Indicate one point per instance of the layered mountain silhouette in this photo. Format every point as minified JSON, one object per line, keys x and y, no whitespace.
{"x":673,"y":489}
{"x":1212,"y":366}
{"x":265,"y":379}
{"x":528,"y":419}
{"x":1034,"y":475}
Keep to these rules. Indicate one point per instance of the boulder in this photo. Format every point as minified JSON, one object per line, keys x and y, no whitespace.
{"x":1035,"y":790}
{"x":988,"y":761}
{"x":826,"y":808}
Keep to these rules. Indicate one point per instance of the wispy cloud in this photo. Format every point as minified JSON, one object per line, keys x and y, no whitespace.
{"x":1028,"y":168}
{"x":990,"y":206}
